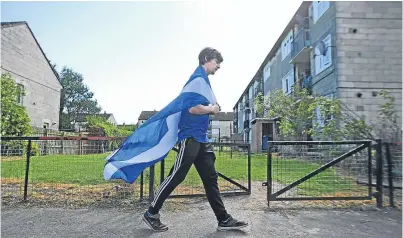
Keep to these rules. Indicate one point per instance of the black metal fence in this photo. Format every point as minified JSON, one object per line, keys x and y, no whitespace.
{"x":33,"y":171}
{"x":392,"y":171}
{"x":233,"y":165}
{"x":347,"y":170}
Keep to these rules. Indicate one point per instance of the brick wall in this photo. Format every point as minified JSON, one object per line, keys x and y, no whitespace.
{"x":369,"y":54}
{"x":22,"y":58}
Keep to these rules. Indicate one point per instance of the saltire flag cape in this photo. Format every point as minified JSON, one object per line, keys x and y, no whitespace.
{"x":152,"y":141}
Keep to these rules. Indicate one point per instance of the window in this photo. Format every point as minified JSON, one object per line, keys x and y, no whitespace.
{"x":266,"y":71}
{"x":215,"y":131}
{"x":288,"y":82}
{"x":256,"y":86}
{"x":319,"y":8}
{"x":20,"y":96}
{"x":286,"y":45}
{"x":215,"y":123}
{"x":323,"y":62}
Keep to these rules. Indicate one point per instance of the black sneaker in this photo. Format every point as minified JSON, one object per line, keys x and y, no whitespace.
{"x":231,"y":224}
{"x":153,"y":221}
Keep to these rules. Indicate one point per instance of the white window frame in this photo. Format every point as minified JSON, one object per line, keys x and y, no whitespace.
{"x":215,"y":131}
{"x":323,"y":62}
{"x":286,"y":45}
{"x":250,"y":92}
{"x":266,"y":71}
{"x":287,"y":82}
{"x":319,"y":8}
{"x":20,"y":96}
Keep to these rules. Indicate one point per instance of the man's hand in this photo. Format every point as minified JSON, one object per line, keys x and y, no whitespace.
{"x":201,"y":110}
{"x":219,"y":107}
{"x":215,"y":109}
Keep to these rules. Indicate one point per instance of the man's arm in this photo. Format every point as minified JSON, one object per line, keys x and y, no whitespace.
{"x":200,"y":109}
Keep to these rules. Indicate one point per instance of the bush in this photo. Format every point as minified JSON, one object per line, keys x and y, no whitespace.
{"x":14,"y":116}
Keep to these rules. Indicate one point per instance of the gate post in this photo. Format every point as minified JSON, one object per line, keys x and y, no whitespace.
{"x":379,"y":174}
{"x":141,"y":186}
{"x":249,"y":172}
{"x":269,"y":175}
{"x":27,"y":170}
{"x":390,"y":175}
{"x":162,"y":172}
{"x":151,"y":184}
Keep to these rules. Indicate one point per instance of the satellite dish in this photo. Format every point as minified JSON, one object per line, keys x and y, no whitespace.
{"x":322,"y":48}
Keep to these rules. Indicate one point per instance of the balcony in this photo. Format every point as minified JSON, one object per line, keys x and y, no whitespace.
{"x":305,"y":82}
{"x":246,"y":107}
{"x":246,"y":124}
{"x":301,"y":47}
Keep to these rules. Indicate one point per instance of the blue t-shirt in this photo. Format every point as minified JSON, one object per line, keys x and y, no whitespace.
{"x":195,"y":126}
{"x":192,"y":125}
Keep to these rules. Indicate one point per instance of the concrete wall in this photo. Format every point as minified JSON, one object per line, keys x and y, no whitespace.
{"x":112,"y":120}
{"x":23,"y":59}
{"x":256,"y":145}
{"x":279,"y":69}
{"x":323,"y":83}
{"x":225,"y":129}
{"x":371,"y":58}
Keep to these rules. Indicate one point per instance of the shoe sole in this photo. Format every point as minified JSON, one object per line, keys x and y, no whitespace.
{"x":220,"y":228}
{"x":152,"y":228}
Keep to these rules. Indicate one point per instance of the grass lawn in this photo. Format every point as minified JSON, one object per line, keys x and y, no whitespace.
{"x":88,"y":170}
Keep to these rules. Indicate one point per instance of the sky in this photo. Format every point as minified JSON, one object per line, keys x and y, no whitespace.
{"x":137,"y":56}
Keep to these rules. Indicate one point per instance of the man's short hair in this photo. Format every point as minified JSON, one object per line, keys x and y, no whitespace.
{"x":208,"y":54}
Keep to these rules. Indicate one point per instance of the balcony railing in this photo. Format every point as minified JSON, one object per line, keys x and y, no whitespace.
{"x":305,"y":82}
{"x":302,"y":40}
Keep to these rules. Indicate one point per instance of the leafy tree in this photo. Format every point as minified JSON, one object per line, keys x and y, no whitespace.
{"x":298,"y":114}
{"x":101,"y":127}
{"x":76,"y":98}
{"x":388,"y":119}
{"x":303,"y":116}
{"x":14,"y":116}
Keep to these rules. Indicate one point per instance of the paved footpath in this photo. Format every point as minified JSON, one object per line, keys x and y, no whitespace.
{"x":193,"y":218}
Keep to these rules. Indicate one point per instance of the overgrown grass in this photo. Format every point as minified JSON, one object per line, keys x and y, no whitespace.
{"x":88,"y":170}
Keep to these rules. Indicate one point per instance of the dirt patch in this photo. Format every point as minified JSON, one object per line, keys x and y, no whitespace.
{"x":12,"y":158}
{"x":123,"y":195}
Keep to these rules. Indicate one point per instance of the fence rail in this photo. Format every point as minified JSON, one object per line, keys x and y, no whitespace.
{"x":329,"y":170}
{"x":31,"y":173}
{"x":300,"y":171}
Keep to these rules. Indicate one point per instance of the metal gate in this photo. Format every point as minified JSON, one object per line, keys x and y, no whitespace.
{"x":233,"y":166}
{"x":320,"y":170}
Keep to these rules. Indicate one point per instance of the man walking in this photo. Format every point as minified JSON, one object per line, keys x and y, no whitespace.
{"x":195,"y":149}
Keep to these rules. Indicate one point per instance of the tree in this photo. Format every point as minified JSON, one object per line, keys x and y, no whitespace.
{"x":298,"y":114}
{"x":76,"y":98}
{"x":389,"y":129}
{"x":14,"y":116}
{"x":304,"y":115}
{"x":99,"y":126}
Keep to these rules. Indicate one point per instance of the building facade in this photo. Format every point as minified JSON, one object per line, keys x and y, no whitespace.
{"x":23,"y":58}
{"x":221,"y":127}
{"x":345,"y":50}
